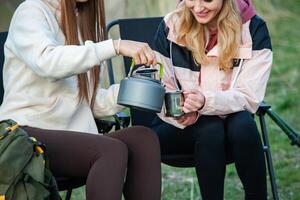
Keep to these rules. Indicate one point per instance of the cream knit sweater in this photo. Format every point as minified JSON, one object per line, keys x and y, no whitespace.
{"x":39,"y":72}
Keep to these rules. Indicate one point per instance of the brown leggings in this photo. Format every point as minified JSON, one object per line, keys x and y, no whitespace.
{"x":105,"y":161}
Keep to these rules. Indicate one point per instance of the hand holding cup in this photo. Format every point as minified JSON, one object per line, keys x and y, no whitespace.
{"x":193,"y":101}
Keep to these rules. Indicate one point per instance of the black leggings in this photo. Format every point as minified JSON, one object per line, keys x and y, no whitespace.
{"x":209,"y":140}
{"x":130,"y":154}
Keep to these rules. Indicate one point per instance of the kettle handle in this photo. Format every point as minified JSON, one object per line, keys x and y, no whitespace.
{"x":133,"y":65}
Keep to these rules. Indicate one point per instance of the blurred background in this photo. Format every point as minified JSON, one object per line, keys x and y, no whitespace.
{"x":283,"y":93}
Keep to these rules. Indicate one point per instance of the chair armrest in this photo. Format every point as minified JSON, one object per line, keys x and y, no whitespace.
{"x":288,"y":130}
{"x":263,"y":108}
{"x":121,"y":120}
{"x":104,"y":126}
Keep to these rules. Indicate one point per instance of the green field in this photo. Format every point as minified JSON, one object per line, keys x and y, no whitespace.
{"x":283,"y":19}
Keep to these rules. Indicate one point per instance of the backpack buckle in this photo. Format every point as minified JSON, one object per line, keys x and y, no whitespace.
{"x":12,"y":128}
{"x":3,"y":135}
{"x":38,"y":147}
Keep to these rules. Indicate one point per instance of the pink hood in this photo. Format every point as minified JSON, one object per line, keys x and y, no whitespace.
{"x":247,"y":9}
{"x":247,"y":12}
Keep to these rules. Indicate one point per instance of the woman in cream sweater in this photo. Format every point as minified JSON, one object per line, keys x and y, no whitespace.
{"x":53,"y":55}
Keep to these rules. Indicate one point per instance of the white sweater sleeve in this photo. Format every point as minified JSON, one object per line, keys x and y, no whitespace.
{"x":106,"y":102}
{"x":35,"y":43}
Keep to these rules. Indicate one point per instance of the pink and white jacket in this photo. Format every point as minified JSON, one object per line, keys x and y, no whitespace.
{"x":242,"y":88}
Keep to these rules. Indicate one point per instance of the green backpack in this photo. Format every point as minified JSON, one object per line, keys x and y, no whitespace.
{"x":24,"y":168}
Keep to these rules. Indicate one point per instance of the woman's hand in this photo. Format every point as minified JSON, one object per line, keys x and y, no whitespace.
{"x":193,"y":101}
{"x":139,"y":51}
{"x":187,"y":119}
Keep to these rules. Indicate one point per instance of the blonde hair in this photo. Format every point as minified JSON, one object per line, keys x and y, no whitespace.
{"x":192,"y":34}
{"x":91,"y":25}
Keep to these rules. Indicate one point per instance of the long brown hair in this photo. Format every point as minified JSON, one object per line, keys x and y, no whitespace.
{"x":90,"y":26}
{"x":192,"y":34}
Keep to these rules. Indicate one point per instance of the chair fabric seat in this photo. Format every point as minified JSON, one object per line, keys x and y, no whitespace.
{"x":187,"y":160}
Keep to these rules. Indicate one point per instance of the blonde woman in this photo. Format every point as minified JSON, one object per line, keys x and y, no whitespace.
{"x":218,"y":52}
{"x":51,"y":72}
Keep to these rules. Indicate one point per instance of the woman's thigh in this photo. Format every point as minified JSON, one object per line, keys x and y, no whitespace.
{"x":241,"y":129}
{"x":137,"y":137}
{"x":142,"y":142}
{"x":209,"y":130}
{"x":173,"y":140}
{"x":73,"y":153}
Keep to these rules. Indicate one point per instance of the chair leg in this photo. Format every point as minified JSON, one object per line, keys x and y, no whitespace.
{"x":69,"y":194}
{"x":268,"y":156}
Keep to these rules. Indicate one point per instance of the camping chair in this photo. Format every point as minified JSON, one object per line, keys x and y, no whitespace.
{"x":143,"y":30}
{"x":64,"y":183}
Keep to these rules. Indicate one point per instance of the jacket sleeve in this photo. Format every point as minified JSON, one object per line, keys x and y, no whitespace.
{"x":106,"y":102}
{"x":35,"y":43}
{"x":162,"y":52}
{"x":249,"y":89}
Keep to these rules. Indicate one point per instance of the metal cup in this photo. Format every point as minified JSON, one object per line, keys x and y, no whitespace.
{"x":174,"y":103}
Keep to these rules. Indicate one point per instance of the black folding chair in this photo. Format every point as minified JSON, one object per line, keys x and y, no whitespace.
{"x":143,"y":30}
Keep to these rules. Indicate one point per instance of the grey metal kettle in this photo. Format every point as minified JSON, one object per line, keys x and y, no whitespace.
{"x":142,"y":91}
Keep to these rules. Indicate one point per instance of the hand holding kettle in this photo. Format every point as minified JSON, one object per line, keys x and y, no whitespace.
{"x":139,"y":51}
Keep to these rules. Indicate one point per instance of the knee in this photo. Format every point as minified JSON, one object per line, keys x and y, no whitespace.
{"x":145,"y":136}
{"x":115,"y":151}
{"x":209,"y":132}
{"x":119,"y":149}
{"x":241,"y":129}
